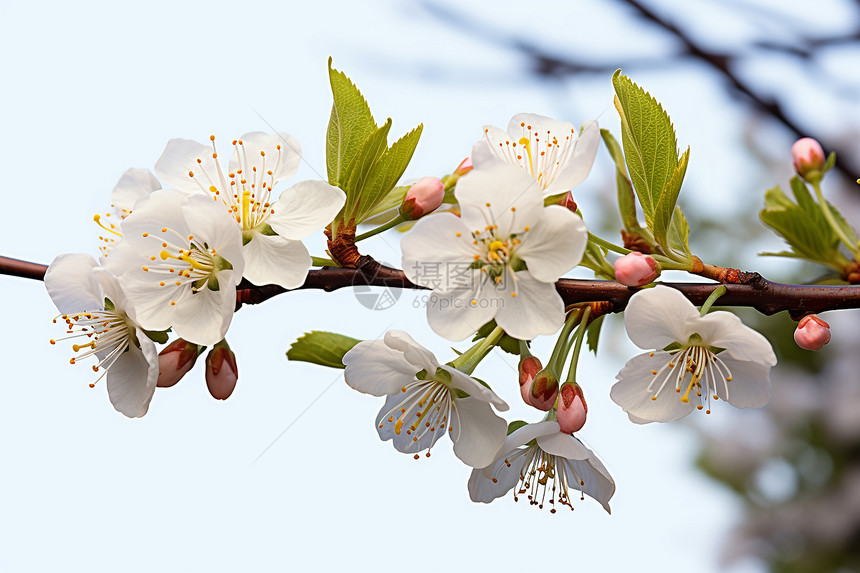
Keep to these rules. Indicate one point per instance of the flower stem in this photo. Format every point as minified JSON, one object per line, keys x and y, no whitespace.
{"x":392,"y":223}
{"x":562,"y":345}
{"x":469,"y":360}
{"x":323,"y":262}
{"x":607,"y":245}
{"x":718,"y":292}
{"x":828,"y":214}
{"x":580,"y":335}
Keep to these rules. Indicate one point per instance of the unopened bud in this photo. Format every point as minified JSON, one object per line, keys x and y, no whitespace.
{"x":568,"y":202}
{"x":572,"y":408}
{"x":529,"y":368}
{"x":464,"y":167}
{"x":174,"y":361}
{"x":812,"y":333}
{"x":808,"y":157}
{"x":544,"y":390}
{"x":423,"y":197}
{"x":221,"y":371}
{"x":635,"y":269}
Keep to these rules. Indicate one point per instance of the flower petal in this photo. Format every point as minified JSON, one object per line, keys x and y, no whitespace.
{"x":305,"y":208}
{"x":180,"y":158}
{"x":478,"y":432}
{"x":134,"y":184}
{"x":131,"y":379}
{"x":204,"y":317}
{"x":725,"y":330}
{"x":577,"y":167}
{"x":750,"y":384}
{"x":493,"y":482}
{"x":490,"y":149}
{"x":632,"y":394}
{"x":475,"y":389}
{"x":594,"y":479}
{"x":555,"y":245}
{"x":414,"y":353}
{"x":282,"y":155}
{"x":457,"y":314}
{"x":72,"y":284}
{"x":529,"y":432}
{"x":372,"y":367}
{"x":437,"y":251}
{"x":536,"y":309}
{"x":502,"y":195}
{"x":659,"y":316}
{"x":211,"y":224}
{"x":564,"y":445}
{"x":270,"y":259}
{"x":402,"y":437}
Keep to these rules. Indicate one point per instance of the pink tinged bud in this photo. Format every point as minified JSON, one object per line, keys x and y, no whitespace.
{"x":174,"y":361}
{"x":812,"y":333}
{"x":221,"y":372}
{"x":568,"y":202}
{"x":635,"y":269}
{"x":544,"y":390}
{"x":464,"y":167}
{"x":808,"y":157}
{"x":572,"y":408}
{"x":529,"y":368}
{"x":423,"y":197}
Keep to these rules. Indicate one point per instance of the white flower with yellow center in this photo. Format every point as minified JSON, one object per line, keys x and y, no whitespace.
{"x":134,"y":184}
{"x":424,"y":400}
{"x":180,"y":261}
{"x":500,"y":259}
{"x":98,"y":317}
{"x":702,"y":357}
{"x":271,"y":230}
{"x":544,"y":464}
{"x":553,"y":152}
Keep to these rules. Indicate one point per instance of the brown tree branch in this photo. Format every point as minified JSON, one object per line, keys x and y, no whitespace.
{"x":763,"y":295}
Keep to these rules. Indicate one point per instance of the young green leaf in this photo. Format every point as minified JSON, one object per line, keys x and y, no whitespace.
{"x":626,"y":196}
{"x":350,"y":125}
{"x":362,"y":163}
{"x":323,"y":348}
{"x":387,"y":171}
{"x":679,"y":234}
{"x":666,"y":205}
{"x":592,"y":333}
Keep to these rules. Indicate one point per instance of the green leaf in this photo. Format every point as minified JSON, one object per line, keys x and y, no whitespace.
{"x":679,"y":234}
{"x":323,"y":348}
{"x":515,"y":425}
{"x":360,"y":166}
{"x":650,"y":147}
{"x":159,"y":336}
{"x":592,"y":333}
{"x":350,"y":125}
{"x":666,"y":205}
{"x":387,"y":171}
{"x":626,"y":196}
{"x":594,"y":258}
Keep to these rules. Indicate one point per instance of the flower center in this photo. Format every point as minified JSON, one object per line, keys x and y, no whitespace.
{"x":692,"y":367}
{"x":105,"y":333}
{"x":543,"y":474}
{"x":495,"y":254}
{"x":246,"y":193}
{"x":541,"y":154}
{"x":426,"y":406}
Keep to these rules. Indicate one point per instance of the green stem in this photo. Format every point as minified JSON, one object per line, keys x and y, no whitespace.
{"x":607,"y":245}
{"x":828,"y":214}
{"x":323,"y":262}
{"x":580,"y":336}
{"x":562,"y":346}
{"x":718,"y":292}
{"x":392,"y":223}
{"x":469,"y":360}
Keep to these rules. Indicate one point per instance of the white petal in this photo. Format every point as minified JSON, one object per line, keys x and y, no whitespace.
{"x":631,"y":391}
{"x":483,"y":488}
{"x":521,"y":123}
{"x":72,"y":284}
{"x":459,"y":313}
{"x":282,"y":162}
{"x":113,"y":290}
{"x":515,"y":199}
{"x":134,"y":184}
{"x":414,"y":353}
{"x":725,"y":330}
{"x":211,"y":224}
{"x":132,"y":378}
{"x":578,"y":165}
{"x":204,"y":317}
{"x":537,"y":308}
{"x":529,"y":432}
{"x":478,"y":432}
{"x":153,"y":212}
{"x":475,"y":389}
{"x":555,"y":245}
{"x":374,"y":368}
{"x":564,"y":445}
{"x":305,"y":208}
{"x":270,"y":259}
{"x":659,"y":316}
{"x":750,"y":384}
{"x":437,"y":251}
{"x":180,"y":158}
{"x":405,"y":441}
{"x":489,"y":150}
{"x":597,"y":482}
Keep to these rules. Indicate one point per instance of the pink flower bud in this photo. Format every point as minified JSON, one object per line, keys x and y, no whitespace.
{"x":464,"y":167}
{"x":635,"y":269}
{"x":572,"y":408}
{"x":812,"y":333}
{"x":568,"y":202}
{"x":808,"y":158}
{"x":529,"y":368}
{"x":423,"y":197}
{"x":174,"y":361}
{"x":544,"y":390}
{"x":221,"y":371}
